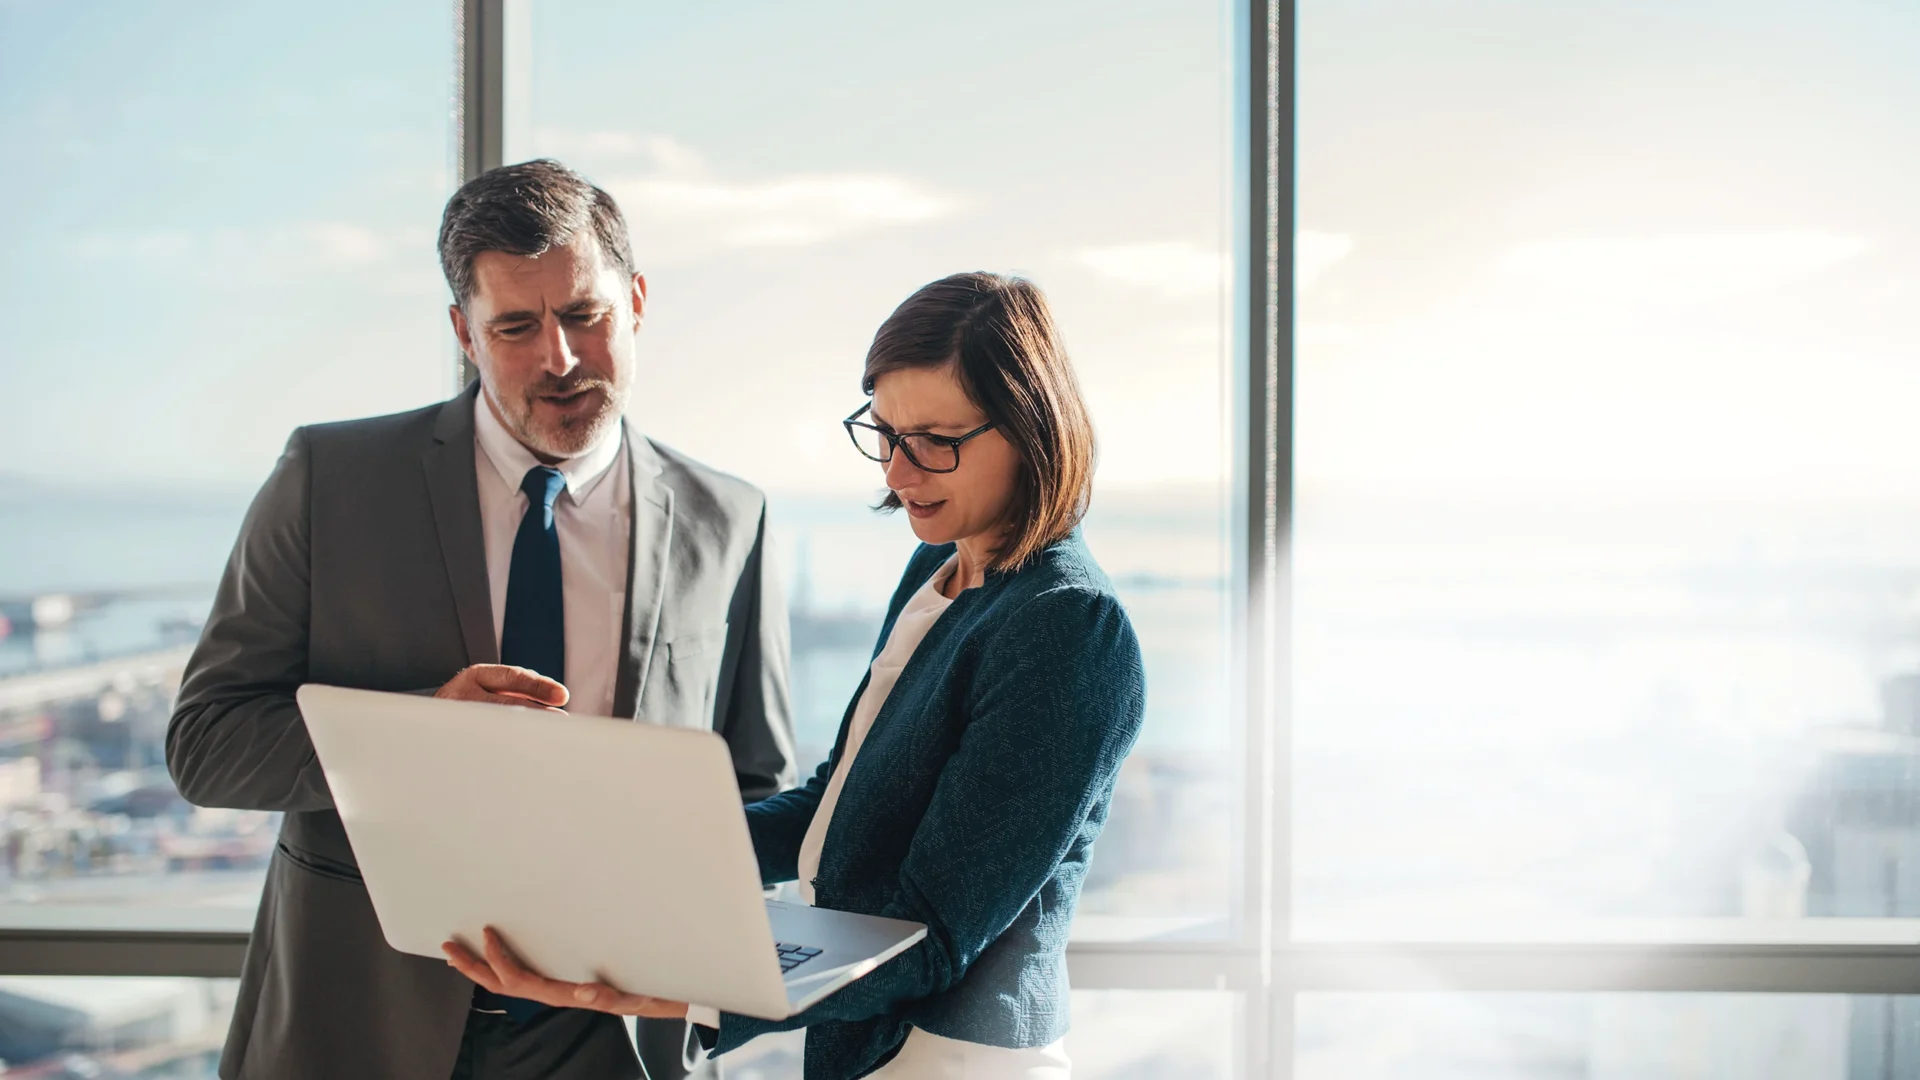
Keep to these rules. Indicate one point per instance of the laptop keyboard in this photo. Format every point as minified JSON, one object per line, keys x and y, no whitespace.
{"x":792,"y":956}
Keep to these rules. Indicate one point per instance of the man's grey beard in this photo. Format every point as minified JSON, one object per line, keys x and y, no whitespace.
{"x":570,"y":438}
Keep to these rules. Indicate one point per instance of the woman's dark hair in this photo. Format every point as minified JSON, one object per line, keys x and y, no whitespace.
{"x":998,"y":335}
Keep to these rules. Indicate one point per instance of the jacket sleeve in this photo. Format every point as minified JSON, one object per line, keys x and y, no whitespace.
{"x":778,"y":825}
{"x":236,"y":738}
{"x":758,"y":721}
{"x":1056,"y":705}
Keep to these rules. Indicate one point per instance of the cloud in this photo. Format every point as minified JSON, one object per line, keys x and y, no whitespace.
{"x":679,"y":207}
{"x":325,"y":243}
{"x":790,"y":211}
{"x":338,"y":243}
{"x":1310,"y":333}
{"x":1176,"y":268}
{"x":1314,"y":253}
{"x":1677,"y":268}
{"x":663,"y":151}
{"x":1181,"y":268}
{"x":246,"y":255}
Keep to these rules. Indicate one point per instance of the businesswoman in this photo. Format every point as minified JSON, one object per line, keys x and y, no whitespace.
{"x":974,"y":766}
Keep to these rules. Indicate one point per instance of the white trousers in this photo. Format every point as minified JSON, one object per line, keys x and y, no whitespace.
{"x":927,"y":1056}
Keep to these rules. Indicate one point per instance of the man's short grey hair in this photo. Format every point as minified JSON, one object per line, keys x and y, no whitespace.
{"x":526,"y":209}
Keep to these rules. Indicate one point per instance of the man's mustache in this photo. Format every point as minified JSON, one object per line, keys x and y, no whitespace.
{"x":552,"y":387}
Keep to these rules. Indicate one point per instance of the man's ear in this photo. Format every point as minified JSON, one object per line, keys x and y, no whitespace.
{"x":462,"y":331}
{"x":639,"y":299}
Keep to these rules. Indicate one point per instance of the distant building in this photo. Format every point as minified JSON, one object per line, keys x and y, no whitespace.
{"x":1859,"y":819}
{"x":50,"y":1017}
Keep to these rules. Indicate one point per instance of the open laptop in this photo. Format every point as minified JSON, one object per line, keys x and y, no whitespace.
{"x":601,"y":849}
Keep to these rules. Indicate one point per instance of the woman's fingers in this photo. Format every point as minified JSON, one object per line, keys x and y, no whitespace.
{"x":611,"y":999}
{"x":499,"y":970}
{"x":471,"y":966}
{"x":607,"y":999}
{"x":519,"y":980}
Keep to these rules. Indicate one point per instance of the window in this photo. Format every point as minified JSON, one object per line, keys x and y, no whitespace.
{"x":220,"y":227}
{"x":1608,"y":527}
{"x":783,"y":202}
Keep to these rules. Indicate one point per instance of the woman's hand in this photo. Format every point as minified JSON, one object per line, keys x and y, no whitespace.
{"x":503,"y":973}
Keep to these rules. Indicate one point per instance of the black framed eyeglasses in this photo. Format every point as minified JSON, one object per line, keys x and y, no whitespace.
{"x":927,"y":451}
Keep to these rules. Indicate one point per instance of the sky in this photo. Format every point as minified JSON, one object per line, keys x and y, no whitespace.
{"x":783,"y":200}
{"x":1635,"y":251}
{"x":221,"y":226}
{"x":235,"y":209}
{"x":1651,"y":250}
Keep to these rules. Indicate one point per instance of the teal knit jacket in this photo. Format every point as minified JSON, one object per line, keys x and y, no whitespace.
{"x":972,"y":807}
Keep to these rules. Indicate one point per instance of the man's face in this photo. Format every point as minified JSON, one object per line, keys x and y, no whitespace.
{"x":553,"y":338}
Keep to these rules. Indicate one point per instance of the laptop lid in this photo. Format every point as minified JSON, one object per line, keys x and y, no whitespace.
{"x":601,"y":849}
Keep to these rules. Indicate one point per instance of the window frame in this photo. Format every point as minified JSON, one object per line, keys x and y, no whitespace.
{"x":1260,"y":961}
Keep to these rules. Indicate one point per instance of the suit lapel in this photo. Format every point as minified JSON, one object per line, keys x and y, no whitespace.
{"x":649,"y":547}
{"x":453,"y":486}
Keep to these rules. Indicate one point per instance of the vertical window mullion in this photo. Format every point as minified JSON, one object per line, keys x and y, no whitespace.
{"x":1263,"y":201}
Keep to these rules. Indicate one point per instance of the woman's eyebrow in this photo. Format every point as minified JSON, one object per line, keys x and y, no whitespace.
{"x":877,"y":419}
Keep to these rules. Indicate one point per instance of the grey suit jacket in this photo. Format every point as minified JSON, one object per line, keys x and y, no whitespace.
{"x":361,"y":564}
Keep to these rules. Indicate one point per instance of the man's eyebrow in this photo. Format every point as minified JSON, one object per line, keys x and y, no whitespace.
{"x":514,"y":316}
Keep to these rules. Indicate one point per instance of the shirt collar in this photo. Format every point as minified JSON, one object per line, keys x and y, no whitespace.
{"x":582,"y":472}
{"x":931,"y":594}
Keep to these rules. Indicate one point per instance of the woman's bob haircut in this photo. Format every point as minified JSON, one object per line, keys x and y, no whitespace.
{"x":999,"y":337}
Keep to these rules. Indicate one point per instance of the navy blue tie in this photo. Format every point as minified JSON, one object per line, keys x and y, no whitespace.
{"x":533,"y":634}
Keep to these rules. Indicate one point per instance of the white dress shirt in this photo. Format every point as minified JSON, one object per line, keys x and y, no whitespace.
{"x":594,"y":519}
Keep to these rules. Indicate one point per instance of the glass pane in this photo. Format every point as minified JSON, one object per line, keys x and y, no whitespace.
{"x":231,"y":233}
{"x":1608,"y":547}
{"x":1117,"y":1035}
{"x":152,"y":1029}
{"x":783,"y":202}
{"x":1454,"y":1036}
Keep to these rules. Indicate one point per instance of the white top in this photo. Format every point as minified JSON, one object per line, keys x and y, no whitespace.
{"x":925,"y":1055}
{"x":593,"y":517}
{"x":922,"y":610}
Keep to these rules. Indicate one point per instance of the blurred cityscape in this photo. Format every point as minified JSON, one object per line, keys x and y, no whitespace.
{"x":61,"y":1028}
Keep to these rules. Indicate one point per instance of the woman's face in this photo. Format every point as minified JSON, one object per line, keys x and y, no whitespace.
{"x":967,"y":503}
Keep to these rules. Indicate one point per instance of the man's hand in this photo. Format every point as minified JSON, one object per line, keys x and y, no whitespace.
{"x":500,"y":971}
{"x":504,"y":685}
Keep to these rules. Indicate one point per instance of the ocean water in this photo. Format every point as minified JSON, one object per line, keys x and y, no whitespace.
{"x":54,"y":540}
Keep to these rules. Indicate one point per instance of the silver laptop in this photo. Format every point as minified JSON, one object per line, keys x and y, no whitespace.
{"x":601,"y":849}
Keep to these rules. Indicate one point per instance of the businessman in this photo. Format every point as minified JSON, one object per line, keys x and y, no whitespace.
{"x":518,"y":543}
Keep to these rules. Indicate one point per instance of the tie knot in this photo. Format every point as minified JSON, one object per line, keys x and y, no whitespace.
{"x":543,"y":485}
